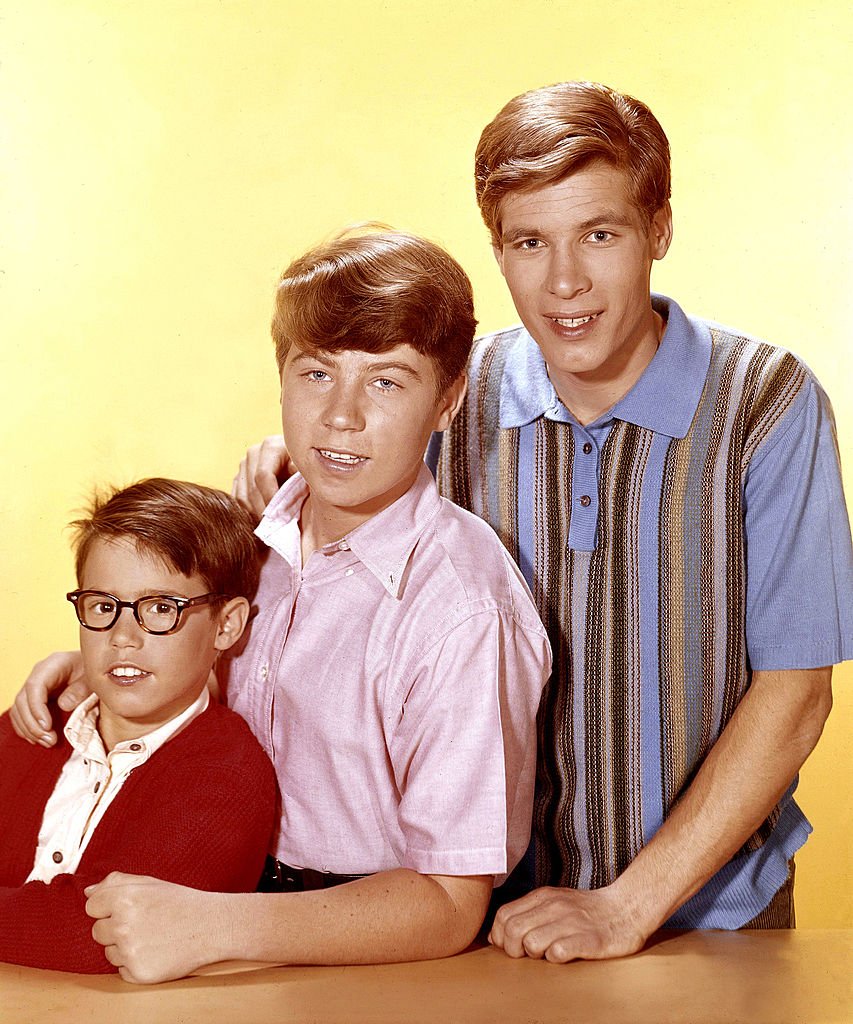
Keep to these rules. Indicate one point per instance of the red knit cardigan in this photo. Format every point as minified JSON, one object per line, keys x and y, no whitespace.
{"x":199,"y":812}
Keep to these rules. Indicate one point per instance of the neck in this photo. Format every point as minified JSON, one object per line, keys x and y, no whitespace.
{"x":114,"y":730}
{"x":587,"y":396}
{"x":319,"y":526}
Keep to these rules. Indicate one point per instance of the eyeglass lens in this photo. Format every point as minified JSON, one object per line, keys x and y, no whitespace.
{"x":157,"y":614}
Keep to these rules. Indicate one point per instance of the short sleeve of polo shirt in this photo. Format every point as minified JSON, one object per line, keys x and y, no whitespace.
{"x":798,"y":548}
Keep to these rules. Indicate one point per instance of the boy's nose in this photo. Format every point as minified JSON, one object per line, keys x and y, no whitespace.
{"x":126,"y":631}
{"x":344,"y":410}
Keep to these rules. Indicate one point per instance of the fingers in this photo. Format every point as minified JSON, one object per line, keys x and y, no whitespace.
{"x":243,"y":483}
{"x":262,"y":469}
{"x":133,"y":925}
{"x":112,"y":881}
{"x":73,"y":694}
{"x":98,"y":906}
{"x":562,"y":925}
{"x":29,"y":713}
{"x":536,"y":938}
{"x":31,"y":726}
{"x":117,"y":947}
{"x":509,"y":925}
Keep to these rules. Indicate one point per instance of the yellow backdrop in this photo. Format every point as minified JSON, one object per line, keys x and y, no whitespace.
{"x":162,"y":161}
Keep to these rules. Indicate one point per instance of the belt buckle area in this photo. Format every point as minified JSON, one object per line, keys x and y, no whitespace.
{"x":312,"y":879}
{"x":281,"y":877}
{"x":289,"y":879}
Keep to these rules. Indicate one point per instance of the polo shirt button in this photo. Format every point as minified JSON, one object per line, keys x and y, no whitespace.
{"x":343,"y":546}
{"x":57,"y":857}
{"x":136,"y":746}
{"x":586,"y":500}
{"x":587,"y":448}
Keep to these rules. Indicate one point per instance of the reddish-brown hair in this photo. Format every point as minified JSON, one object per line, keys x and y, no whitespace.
{"x":196,"y":530}
{"x":370,"y":292}
{"x":541,"y":137}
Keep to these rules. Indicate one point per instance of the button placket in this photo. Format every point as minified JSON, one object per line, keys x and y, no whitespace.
{"x":584,"y":492}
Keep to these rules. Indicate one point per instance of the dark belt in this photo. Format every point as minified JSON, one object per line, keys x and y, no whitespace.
{"x":278,"y":877}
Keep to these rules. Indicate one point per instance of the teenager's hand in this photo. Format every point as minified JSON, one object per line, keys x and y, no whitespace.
{"x":152,"y":930}
{"x":29,"y":714}
{"x":568,"y":924}
{"x":263,"y":470}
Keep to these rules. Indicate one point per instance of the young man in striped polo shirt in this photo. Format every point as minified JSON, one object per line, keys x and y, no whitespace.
{"x":671,"y":491}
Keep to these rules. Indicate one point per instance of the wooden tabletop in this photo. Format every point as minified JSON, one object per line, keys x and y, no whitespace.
{"x":798,"y":977}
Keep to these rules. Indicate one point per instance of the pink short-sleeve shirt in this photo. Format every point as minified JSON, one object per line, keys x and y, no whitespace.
{"x":394,"y":682}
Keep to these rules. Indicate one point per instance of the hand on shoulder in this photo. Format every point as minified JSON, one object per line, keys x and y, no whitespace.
{"x":29,"y":713}
{"x":263,"y":469}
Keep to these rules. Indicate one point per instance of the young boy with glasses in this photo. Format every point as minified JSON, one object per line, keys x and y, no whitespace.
{"x":150,"y":775}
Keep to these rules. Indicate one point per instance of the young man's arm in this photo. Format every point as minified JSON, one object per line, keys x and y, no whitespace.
{"x":154,"y":931}
{"x":29,"y":713}
{"x":772,"y":732}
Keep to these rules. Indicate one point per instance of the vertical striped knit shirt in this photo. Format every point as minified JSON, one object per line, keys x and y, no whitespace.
{"x":690,"y":535}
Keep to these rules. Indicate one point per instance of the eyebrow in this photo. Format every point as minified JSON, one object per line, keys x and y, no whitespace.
{"x":596,"y":220}
{"x":377,"y":367}
{"x":312,"y":357}
{"x":391,"y":365}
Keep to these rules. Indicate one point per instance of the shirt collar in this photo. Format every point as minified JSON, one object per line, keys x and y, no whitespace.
{"x":279,"y":525}
{"x":384,"y":544}
{"x":81,"y":730}
{"x":664,"y":399}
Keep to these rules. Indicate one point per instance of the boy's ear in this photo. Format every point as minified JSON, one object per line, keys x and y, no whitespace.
{"x":451,"y":402}
{"x":660,"y":231}
{"x":232,"y":618}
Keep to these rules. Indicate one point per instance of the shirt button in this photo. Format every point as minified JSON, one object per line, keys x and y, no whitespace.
{"x":97,"y":787}
{"x":585,"y":500}
{"x":343,"y":546}
{"x":587,"y":448}
{"x":264,"y":672}
{"x":136,"y":746}
{"x":57,"y":857}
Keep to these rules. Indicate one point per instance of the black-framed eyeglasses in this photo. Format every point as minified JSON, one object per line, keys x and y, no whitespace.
{"x":155,"y":613}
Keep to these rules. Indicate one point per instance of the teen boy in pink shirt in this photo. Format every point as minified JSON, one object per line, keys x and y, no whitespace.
{"x":394,"y":670}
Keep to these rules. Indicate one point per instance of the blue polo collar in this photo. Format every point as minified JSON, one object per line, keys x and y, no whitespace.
{"x":664,"y":399}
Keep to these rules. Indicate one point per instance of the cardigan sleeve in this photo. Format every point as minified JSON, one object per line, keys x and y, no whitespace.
{"x":200,"y":813}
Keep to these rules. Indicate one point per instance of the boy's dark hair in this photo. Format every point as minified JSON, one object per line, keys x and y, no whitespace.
{"x":197,"y":530}
{"x":370,"y":292}
{"x":541,"y":137}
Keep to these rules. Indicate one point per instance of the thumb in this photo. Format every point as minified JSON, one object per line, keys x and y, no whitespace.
{"x":73,"y":694}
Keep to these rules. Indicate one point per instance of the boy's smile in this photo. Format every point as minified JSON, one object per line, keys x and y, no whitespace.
{"x":356,"y":425}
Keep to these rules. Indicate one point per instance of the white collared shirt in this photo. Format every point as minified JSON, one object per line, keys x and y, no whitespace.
{"x":89,"y":782}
